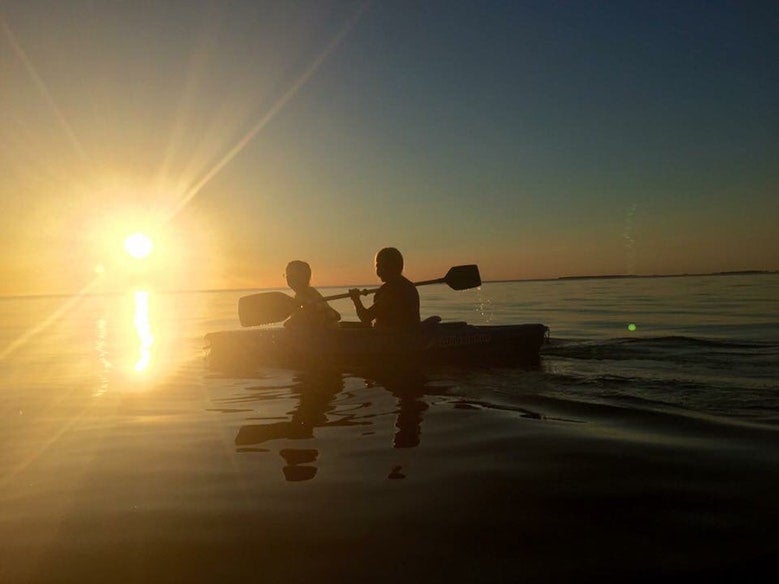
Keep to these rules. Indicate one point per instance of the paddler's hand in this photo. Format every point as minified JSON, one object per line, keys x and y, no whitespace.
{"x":362,"y":313}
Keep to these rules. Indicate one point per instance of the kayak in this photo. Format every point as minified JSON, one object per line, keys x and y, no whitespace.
{"x":355,"y":345}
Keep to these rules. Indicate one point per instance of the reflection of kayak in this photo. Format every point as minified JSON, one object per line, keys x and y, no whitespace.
{"x":355,"y":345}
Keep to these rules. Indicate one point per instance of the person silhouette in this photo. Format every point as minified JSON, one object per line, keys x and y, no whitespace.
{"x":396,"y":304}
{"x":314,"y":312}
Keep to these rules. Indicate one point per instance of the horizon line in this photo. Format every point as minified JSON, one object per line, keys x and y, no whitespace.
{"x":499,"y":281}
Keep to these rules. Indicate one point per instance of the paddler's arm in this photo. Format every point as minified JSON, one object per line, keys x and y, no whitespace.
{"x":364,"y":314}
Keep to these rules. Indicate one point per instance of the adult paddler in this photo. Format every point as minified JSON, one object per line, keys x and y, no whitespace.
{"x":396,"y":304}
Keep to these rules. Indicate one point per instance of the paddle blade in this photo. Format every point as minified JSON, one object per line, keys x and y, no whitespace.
{"x":463,"y":277}
{"x":265,"y":308}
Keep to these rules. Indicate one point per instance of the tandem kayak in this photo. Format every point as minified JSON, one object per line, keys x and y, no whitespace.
{"x":354,"y":345}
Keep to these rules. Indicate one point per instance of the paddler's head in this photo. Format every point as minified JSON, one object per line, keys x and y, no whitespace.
{"x":298,"y":274}
{"x":389,"y":264}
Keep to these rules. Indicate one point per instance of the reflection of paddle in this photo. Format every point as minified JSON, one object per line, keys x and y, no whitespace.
{"x":268,"y":307}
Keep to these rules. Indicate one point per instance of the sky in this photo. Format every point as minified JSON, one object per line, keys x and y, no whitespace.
{"x":535,"y":139}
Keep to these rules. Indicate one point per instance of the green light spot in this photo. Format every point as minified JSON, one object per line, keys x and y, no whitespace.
{"x":631,"y":327}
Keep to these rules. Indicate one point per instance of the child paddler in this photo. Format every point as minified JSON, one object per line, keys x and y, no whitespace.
{"x":314,"y":312}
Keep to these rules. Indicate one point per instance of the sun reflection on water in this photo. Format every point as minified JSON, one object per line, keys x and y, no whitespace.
{"x":155,"y":344}
{"x":143,"y":329}
{"x":101,"y":336}
{"x":129,"y":343}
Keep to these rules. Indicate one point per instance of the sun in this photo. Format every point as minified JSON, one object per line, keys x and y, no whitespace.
{"x":138,"y":245}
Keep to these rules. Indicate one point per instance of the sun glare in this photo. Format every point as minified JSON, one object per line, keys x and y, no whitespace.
{"x":138,"y":245}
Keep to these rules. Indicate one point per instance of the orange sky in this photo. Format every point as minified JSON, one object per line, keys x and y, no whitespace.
{"x":241,"y":138}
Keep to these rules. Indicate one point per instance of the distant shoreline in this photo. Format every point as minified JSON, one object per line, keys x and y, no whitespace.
{"x":557,"y":279}
{"x":633,"y":276}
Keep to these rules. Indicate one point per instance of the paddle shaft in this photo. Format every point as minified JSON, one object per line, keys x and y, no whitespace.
{"x":374,"y":290}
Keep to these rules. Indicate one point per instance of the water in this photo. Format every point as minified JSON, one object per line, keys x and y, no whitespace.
{"x":633,"y":452}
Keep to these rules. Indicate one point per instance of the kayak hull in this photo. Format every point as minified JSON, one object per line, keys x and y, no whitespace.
{"x":352,"y":345}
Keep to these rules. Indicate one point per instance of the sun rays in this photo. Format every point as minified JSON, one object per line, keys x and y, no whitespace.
{"x":43,"y":89}
{"x":169,"y":201}
{"x":273,"y":111}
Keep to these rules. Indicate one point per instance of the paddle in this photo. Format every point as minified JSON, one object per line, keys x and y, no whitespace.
{"x":268,"y":307}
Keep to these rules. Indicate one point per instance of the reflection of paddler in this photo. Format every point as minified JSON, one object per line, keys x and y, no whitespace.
{"x":297,"y":468}
{"x":409,"y":420}
{"x":315,"y":392}
{"x":314,"y":311}
{"x":408,"y":387}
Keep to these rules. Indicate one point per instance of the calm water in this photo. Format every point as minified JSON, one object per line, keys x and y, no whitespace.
{"x":634,"y":454}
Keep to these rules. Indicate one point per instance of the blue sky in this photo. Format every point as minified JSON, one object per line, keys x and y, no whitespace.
{"x":537,"y":139}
